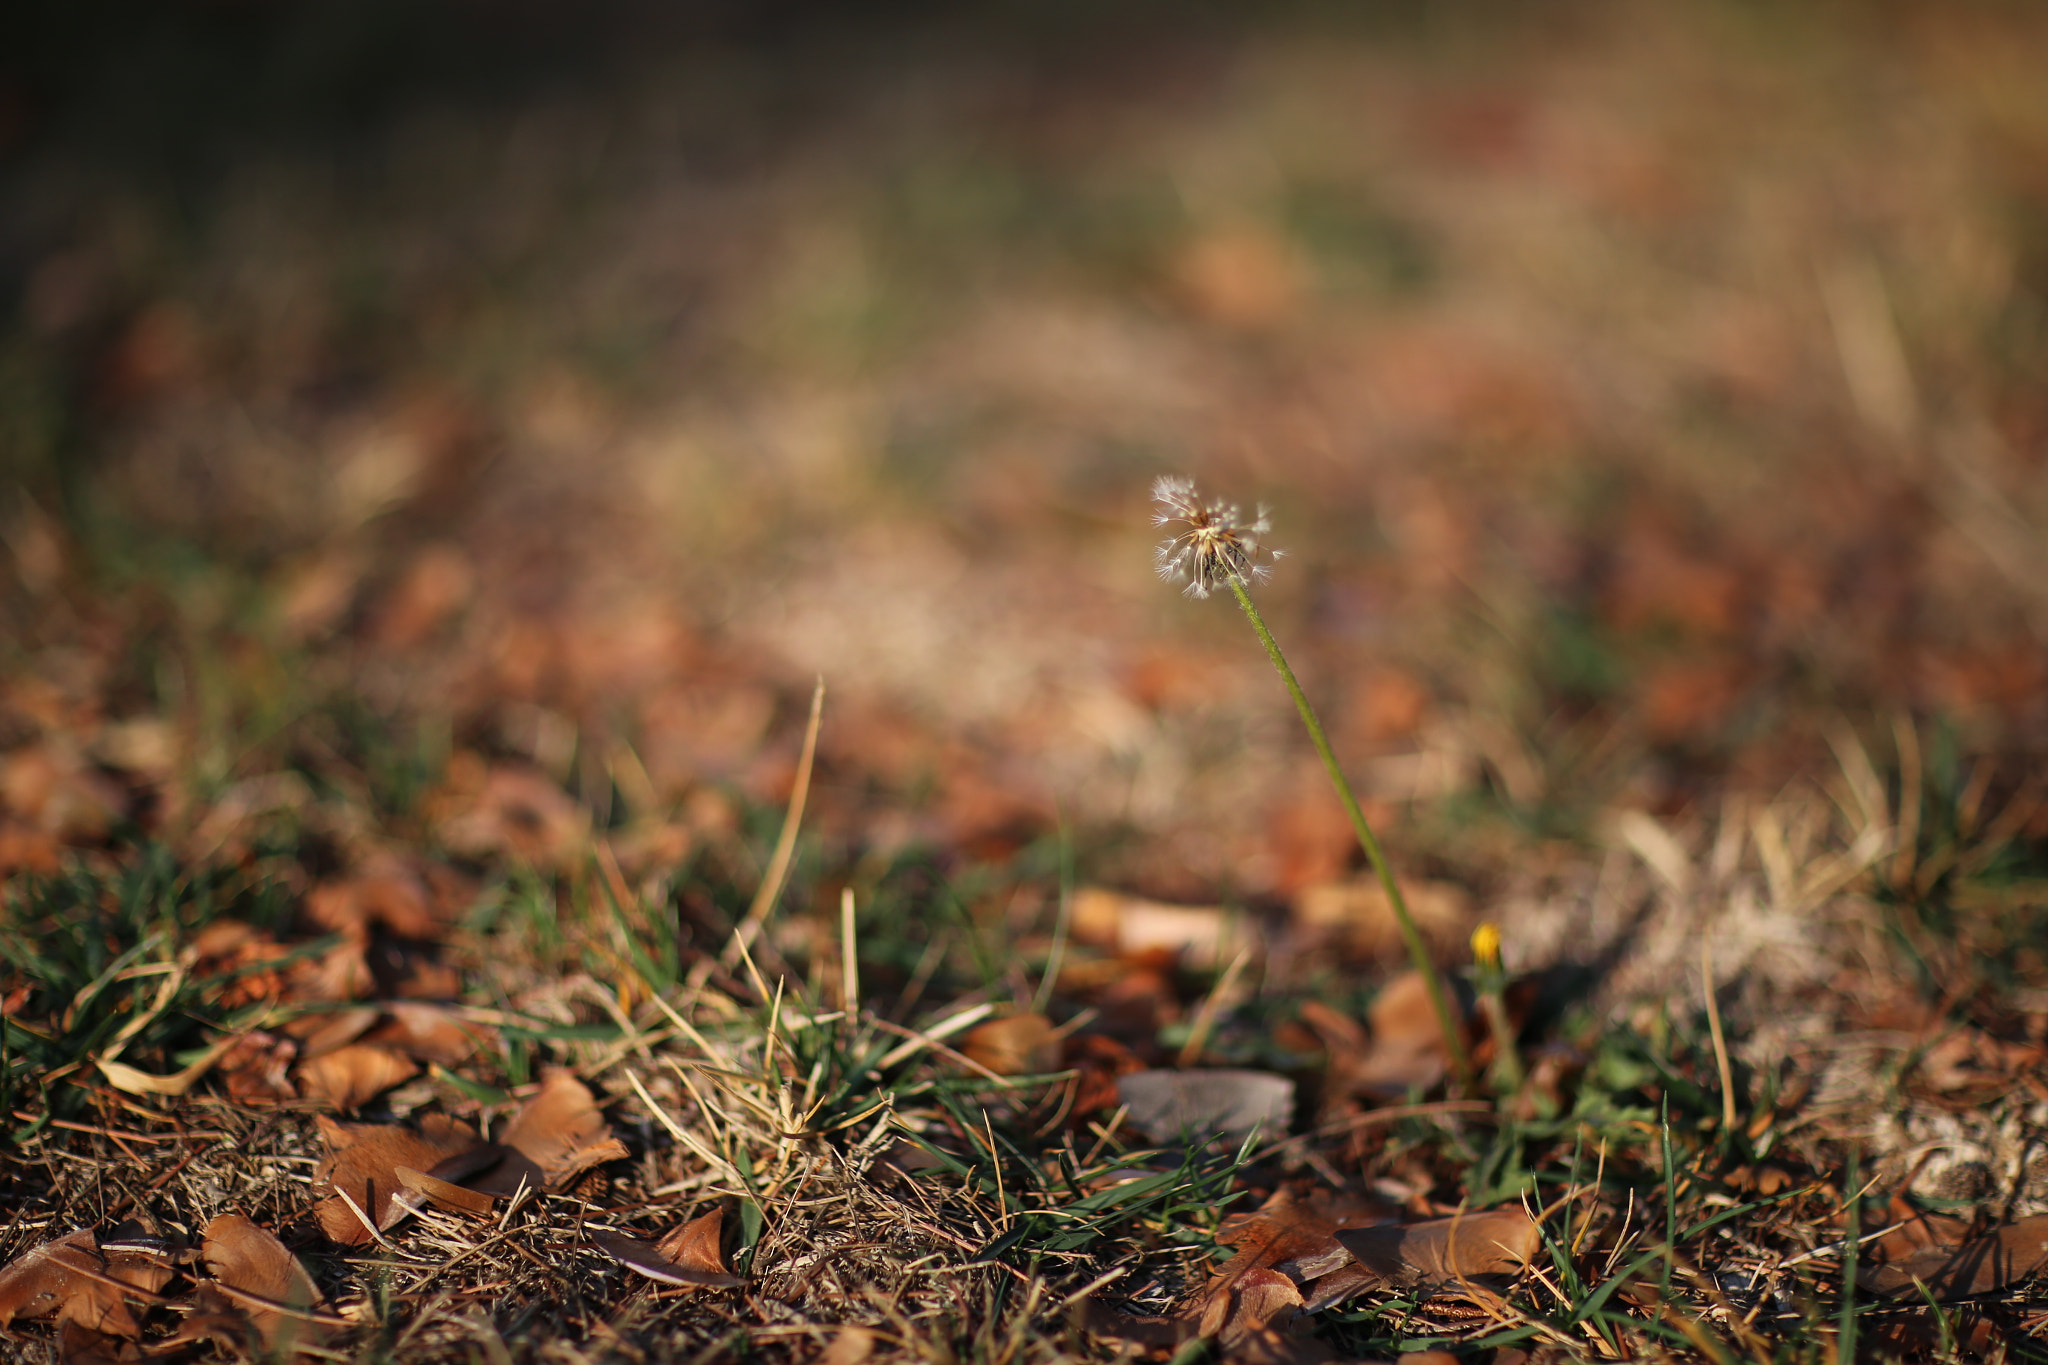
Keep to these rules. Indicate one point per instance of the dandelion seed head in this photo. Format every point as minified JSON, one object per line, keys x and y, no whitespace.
{"x":1216,"y":542}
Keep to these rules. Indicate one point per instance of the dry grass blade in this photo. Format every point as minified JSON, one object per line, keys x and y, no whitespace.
{"x":785,"y":843}
{"x":135,"y":1081}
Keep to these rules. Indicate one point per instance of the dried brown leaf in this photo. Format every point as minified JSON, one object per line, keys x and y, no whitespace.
{"x":363,"y":1167}
{"x":1253,"y":1300}
{"x":697,"y":1243}
{"x":517,"y":813}
{"x":136,"y":1081}
{"x":72,"y":1280}
{"x":445,"y":1193}
{"x":1914,"y":1231}
{"x":256,"y":1069}
{"x":1202,"y":934}
{"x":1093,"y":1315}
{"x":247,"y":1259}
{"x":341,"y":973}
{"x":1442,"y":1250}
{"x":850,"y":1346}
{"x":1018,"y":1045}
{"x":557,"y":1136}
{"x":1293,"y":1237}
{"x":351,"y":1076}
{"x":1405,"y":1048}
{"x":385,"y":894}
{"x":647,"y":1259}
{"x":81,"y":1345}
{"x":320,"y":1034}
{"x":429,"y":1033}
{"x":215,"y":1318}
{"x":1359,"y":919}
{"x":2000,"y":1257}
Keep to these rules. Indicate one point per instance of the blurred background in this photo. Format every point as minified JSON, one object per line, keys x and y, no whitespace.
{"x":1643,"y":394}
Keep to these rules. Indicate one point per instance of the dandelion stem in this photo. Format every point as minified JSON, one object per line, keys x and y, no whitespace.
{"x":1418,"y":952}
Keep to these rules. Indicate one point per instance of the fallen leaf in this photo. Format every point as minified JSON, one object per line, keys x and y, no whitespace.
{"x":850,"y":1346}
{"x":515,"y":813}
{"x":28,"y":850}
{"x":437,"y":583}
{"x":349,"y":1077}
{"x":1914,"y":1231}
{"x":429,"y":1033}
{"x":341,"y":973}
{"x":412,"y":972}
{"x":53,"y":788}
{"x":320,"y":1034}
{"x":1443,"y":1250}
{"x":255,"y":1069}
{"x":2003,"y":1256}
{"x":1093,"y":1315}
{"x":555,"y":1137}
{"x":363,"y":1163}
{"x":1019,"y":1045}
{"x":1099,"y":1062}
{"x":1226,"y":1106}
{"x":1968,"y":1067}
{"x":444,"y":1192}
{"x":213,"y":1318}
{"x":1358,"y":918}
{"x":1242,"y":275}
{"x":1204,"y":935}
{"x":697,"y":1243}
{"x":232,"y":950}
{"x":647,"y":1259}
{"x":384,"y":893}
{"x":263,"y":1280}
{"x":1296,"y":1238}
{"x":1404,"y":1048}
{"x":81,"y":1345}
{"x":1136,"y":1000}
{"x":1275,"y":1346}
{"x":70,"y":1278}
{"x":1251,"y":1302}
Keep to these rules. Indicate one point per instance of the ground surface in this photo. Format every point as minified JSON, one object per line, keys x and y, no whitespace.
{"x":444,"y":457}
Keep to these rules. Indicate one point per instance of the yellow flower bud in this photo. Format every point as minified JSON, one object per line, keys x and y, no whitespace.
{"x":1486,"y":945}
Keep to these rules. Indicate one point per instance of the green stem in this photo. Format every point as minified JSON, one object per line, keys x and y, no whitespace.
{"x":1418,"y":952}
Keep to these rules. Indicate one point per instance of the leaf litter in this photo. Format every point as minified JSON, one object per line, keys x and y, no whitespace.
{"x":789,"y":1179}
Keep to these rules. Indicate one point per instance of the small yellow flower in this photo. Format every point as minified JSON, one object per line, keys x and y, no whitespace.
{"x":1486,"y":946}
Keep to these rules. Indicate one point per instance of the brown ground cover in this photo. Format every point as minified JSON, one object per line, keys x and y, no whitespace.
{"x":434,"y":498}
